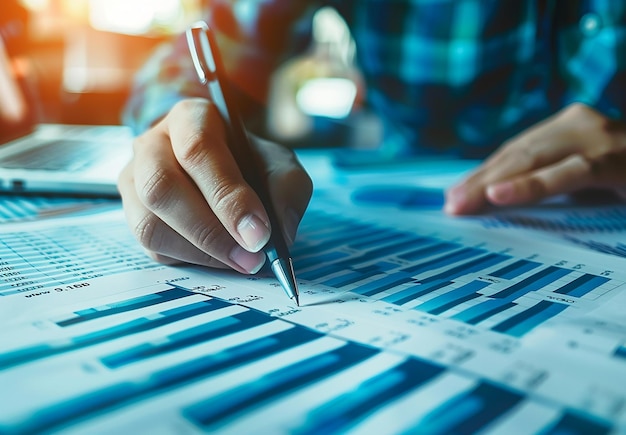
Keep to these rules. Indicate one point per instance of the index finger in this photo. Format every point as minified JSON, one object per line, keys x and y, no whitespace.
{"x":204,"y":155}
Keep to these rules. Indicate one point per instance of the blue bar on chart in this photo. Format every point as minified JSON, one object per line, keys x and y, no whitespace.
{"x":472,"y":266}
{"x":532,"y":283}
{"x":222,"y":407}
{"x":516,"y":269}
{"x":324,"y":258}
{"x":352,"y":277}
{"x":395,"y":248}
{"x":333,"y":242}
{"x":347,"y":410}
{"x":453,"y":298}
{"x":189,"y":337}
{"x":125,"y":306}
{"x":385,"y":283}
{"x":376,"y":238}
{"x":359,"y":274}
{"x":572,"y":423}
{"x":521,"y":323}
{"x":203,"y":367}
{"x":484,"y":310}
{"x":415,"y":291}
{"x":470,"y":411}
{"x":444,"y":260}
{"x":582,"y":285}
{"x":38,"y":351}
{"x":620,"y":352}
{"x":429,"y":250}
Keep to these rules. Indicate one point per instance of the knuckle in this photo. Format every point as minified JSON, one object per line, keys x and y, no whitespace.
{"x":146,"y":232}
{"x":193,"y":149}
{"x":528,"y":156}
{"x":208,"y":238}
{"x":157,"y":191}
{"x":225,"y":196}
{"x":189,"y":105}
{"x":536,"y":188}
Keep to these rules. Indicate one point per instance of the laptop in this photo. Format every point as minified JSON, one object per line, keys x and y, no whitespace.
{"x":54,"y":158}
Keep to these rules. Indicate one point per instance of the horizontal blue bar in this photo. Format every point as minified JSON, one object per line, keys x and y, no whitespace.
{"x":472,"y":266}
{"x":452,"y":298}
{"x":206,"y":366}
{"x":228,"y":405}
{"x":339,"y":266}
{"x":521,"y":323}
{"x":381,"y":236}
{"x":444,"y":260}
{"x":189,"y":337}
{"x":394,"y":248}
{"x":427,"y":251}
{"x":532,"y":283}
{"x":382,"y":284}
{"x":125,"y":306}
{"x":483,"y":311}
{"x":321,"y":272}
{"x":620,"y":352}
{"x":469,"y":412}
{"x":348,"y":409}
{"x":333,"y":240}
{"x":351,"y":277}
{"x":572,"y":423}
{"x":327,"y":257}
{"x":39,"y":351}
{"x":582,"y":285}
{"x":516,"y":269}
{"x":415,"y":291}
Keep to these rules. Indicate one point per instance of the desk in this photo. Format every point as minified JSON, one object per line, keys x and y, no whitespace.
{"x":411,"y":323}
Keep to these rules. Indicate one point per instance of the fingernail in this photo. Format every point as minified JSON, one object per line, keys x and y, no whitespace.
{"x":291,"y":225}
{"x":254,"y":232}
{"x":501,"y":193}
{"x":250,"y":262}
{"x":456,"y":199}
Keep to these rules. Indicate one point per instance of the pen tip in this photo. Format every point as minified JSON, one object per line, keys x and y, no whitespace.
{"x":283,"y":269}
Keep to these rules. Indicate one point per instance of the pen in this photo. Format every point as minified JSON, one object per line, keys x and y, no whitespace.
{"x":210,"y":70}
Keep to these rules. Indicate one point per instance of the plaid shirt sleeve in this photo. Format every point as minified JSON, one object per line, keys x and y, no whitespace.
{"x":460,"y":77}
{"x":455,"y":77}
{"x":591,"y":56}
{"x":253,"y":40}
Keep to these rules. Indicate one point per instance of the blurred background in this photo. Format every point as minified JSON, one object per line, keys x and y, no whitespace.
{"x":79,"y":58}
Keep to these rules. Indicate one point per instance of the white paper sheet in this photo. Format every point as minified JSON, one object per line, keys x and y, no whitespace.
{"x":410,"y":322}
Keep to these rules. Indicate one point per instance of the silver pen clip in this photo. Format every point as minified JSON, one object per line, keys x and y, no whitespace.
{"x":203,"y":57}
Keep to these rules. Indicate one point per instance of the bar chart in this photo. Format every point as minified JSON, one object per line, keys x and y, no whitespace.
{"x":444,"y":277}
{"x":220,"y":366}
{"x":223,"y":353}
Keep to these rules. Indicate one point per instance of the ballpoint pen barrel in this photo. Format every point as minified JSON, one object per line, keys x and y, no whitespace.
{"x":210,"y":70}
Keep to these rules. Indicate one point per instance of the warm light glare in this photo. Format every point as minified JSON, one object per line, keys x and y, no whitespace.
{"x":330,"y":97}
{"x":133,"y":16}
{"x":36,"y":5}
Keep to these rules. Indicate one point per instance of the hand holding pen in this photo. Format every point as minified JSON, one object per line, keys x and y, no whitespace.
{"x":210,"y":69}
{"x":187,"y":199}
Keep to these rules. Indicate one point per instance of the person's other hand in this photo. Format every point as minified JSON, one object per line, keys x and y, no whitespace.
{"x":186,"y":200}
{"x":577,"y":148}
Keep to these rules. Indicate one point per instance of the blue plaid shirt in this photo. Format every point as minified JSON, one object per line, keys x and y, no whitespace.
{"x":455,"y":77}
